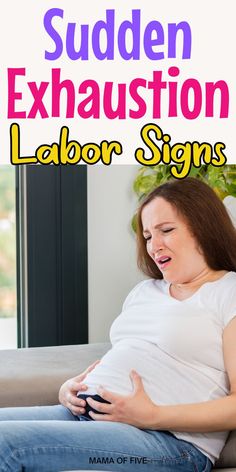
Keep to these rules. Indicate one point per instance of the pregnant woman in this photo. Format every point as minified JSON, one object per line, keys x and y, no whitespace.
{"x":164,"y":396}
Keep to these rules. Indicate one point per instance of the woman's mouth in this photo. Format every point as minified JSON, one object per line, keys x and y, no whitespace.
{"x":163,"y":262}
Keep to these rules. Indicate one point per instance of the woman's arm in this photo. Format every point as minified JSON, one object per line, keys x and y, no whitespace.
{"x":138,"y":409}
{"x":215,"y":415}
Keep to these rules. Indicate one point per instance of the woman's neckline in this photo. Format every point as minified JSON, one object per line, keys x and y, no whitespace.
{"x":196,"y":292}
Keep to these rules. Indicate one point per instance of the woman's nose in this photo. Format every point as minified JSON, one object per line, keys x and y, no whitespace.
{"x":156,"y":244}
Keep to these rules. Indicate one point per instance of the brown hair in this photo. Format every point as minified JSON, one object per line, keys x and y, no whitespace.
{"x":207,"y":219}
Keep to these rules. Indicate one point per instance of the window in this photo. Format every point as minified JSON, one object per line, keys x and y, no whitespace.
{"x":43,"y":252}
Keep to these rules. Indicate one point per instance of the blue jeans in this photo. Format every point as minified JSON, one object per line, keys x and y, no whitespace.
{"x":51,"y":438}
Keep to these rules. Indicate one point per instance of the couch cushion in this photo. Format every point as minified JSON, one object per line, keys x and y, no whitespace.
{"x":33,"y":376}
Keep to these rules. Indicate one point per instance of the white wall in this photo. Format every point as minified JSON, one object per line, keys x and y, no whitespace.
{"x":111,"y":245}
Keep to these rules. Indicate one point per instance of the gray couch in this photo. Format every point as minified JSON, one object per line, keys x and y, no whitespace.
{"x":33,"y":377}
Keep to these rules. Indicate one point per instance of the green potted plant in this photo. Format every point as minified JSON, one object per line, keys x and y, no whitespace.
{"x":221,"y":179}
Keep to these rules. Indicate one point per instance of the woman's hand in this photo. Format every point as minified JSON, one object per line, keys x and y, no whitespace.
{"x":68,"y":392}
{"x":136,"y":409}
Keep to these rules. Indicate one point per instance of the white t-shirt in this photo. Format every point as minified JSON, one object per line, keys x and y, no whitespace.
{"x":175,"y":346}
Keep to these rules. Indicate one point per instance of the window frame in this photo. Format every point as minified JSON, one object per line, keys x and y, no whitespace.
{"x":52,"y":260}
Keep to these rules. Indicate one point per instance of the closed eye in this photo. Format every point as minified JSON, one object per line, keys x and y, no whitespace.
{"x":167,"y":230}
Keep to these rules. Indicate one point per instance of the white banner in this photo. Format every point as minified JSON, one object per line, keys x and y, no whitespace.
{"x":117,"y":82}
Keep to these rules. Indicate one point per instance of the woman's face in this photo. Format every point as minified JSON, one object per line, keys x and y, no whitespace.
{"x":170,"y":243}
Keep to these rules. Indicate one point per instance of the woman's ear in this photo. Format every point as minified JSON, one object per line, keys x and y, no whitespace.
{"x":199,"y":249}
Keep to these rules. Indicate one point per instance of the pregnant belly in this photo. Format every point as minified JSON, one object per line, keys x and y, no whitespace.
{"x":113,"y":372}
{"x":166,"y":380}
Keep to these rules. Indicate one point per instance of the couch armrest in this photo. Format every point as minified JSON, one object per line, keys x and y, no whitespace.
{"x":33,"y":376}
{"x":228,"y":454}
